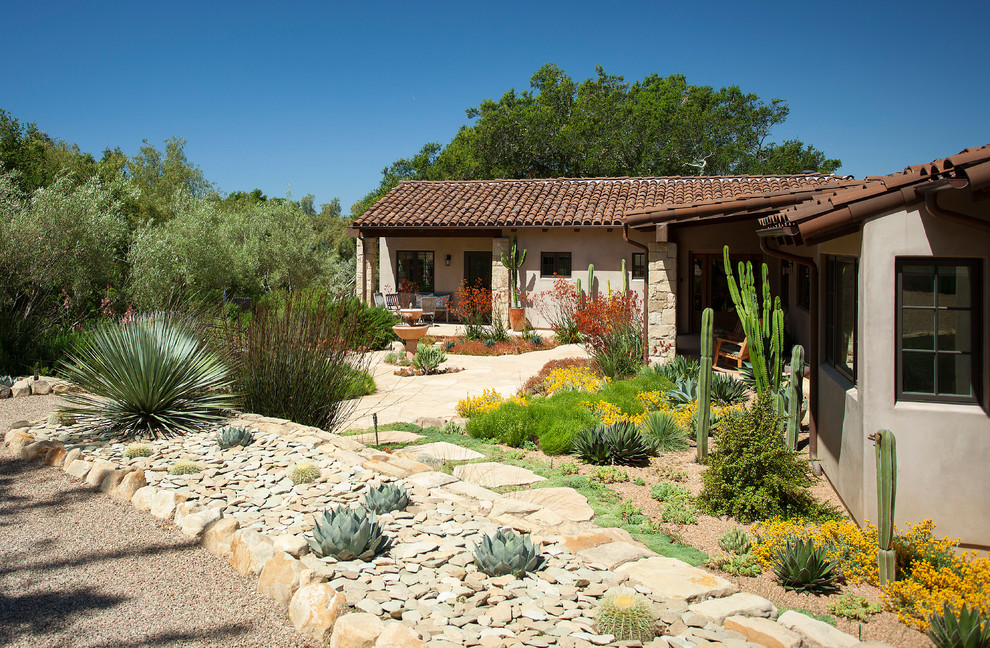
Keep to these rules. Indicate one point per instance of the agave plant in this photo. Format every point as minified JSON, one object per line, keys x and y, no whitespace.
{"x":231,"y":436}
{"x":6,"y":381}
{"x":727,"y":389}
{"x":507,"y":552}
{"x":151,"y":376}
{"x":686,"y":391}
{"x":619,"y":443}
{"x":965,"y":628}
{"x":801,"y":566}
{"x":348,"y":534}
{"x":590,"y":445}
{"x":387,"y":498}
{"x":664,"y":432}
{"x":679,"y":368}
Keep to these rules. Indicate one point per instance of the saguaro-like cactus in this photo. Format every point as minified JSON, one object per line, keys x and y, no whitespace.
{"x":591,"y":280}
{"x":625,"y":277}
{"x":795,"y":392}
{"x":513,"y":262}
{"x":704,"y":385}
{"x":764,"y":327}
{"x":886,"y":446}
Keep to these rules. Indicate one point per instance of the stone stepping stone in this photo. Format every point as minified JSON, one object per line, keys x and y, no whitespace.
{"x":386,"y":436}
{"x":742,"y":604}
{"x":566,"y":502}
{"x":492,"y":475}
{"x":444,"y":451}
{"x":613,"y":554}
{"x":675,"y":579}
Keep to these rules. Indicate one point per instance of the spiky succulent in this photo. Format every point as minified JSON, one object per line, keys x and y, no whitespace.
{"x":626,"y":615}
{"x":737,"y":565}
{"x":304,"y":472}
{"x":507,"y":552}
{"x":138,"y":450}
{"x":664,"y":432}
{"x":803,"y":567}
{"x":735,"y":540}
{"x":727,"y":389}
{"x":184,"y":468}
{"x":963,"y":628}
{"x":58,"y":417}
{"x":232,"y":435}
{"x":686,"y":391}
{"x":387,"y":498}
{"x":348,"y":534}
{"x":7,"y":381}
{"x":619,"y":443}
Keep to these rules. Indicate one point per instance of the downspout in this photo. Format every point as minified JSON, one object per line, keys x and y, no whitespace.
{"x":646,"y":288}
{"x":813,"y":343}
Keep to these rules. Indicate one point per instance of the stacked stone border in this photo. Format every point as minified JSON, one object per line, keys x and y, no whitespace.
{"x":694,"y":609}
{"x":31,"y":386}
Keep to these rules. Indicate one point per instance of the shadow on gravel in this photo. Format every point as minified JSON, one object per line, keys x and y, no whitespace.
{"x":48,"y":613}
{"x":12,"y":470}
{"x":102,"y":556}
{"x":222,"y":633}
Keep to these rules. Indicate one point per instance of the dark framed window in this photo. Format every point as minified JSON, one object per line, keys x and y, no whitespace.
{"x":939,"y":353}
{"x":415,"y":266}
{"x":841,"y":314}
{"x":804,"y":287}
{"x":639,"y":265}
{"x":555,"y":263}
{"x":785,"y":284}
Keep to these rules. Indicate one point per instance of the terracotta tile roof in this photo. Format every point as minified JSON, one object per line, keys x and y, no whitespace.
{"x":561,"y":202}
{"x":833,"y":211}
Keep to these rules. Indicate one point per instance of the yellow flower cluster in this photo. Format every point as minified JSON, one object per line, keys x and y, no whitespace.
{"x":965,"y":580}
{"x":573,"y":379}
{"x":488,"y":401}
{"x":684,"y":415}
{"x":609,"y":413}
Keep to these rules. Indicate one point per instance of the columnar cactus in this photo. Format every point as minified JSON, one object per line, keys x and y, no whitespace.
{"x":704,"y":385}
{"x":513,"y":262}
{"x":591,"y":280}
{"x":886,"y":447}
{"x":795,"y":392}
{"x":763,"y":326}
{"x":625,"y":277}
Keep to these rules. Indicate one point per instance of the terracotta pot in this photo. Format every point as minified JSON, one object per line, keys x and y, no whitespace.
{"x":517,"y":318}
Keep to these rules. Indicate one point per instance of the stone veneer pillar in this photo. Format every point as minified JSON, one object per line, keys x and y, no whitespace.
{"x":500,"y":280}
{"x":366,"y":279}
{"x":662,"y":301}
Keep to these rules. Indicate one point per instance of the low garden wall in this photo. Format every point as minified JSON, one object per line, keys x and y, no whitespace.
{"x":32,"y":386}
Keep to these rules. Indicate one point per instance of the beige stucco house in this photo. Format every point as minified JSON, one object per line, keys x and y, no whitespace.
{"x":878,"y":277}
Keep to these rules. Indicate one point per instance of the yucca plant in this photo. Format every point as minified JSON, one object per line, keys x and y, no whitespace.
{"x":151,"y":377}
{"x":800,"y":566}
{"x":618,"y":443}
{"x":348,"y":534}
{"x":626,"y":615}
{"x":664,"y":432}
{"x":387,"y":498}
{"x":963,"y":628}
{"x":232,"y":435}
{"x":507,"y":552}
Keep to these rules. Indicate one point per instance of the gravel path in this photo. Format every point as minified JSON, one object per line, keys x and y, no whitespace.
{"x":78,"y":569}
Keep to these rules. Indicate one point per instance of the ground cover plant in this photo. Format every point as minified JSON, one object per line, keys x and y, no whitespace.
{"x":462,"y":345}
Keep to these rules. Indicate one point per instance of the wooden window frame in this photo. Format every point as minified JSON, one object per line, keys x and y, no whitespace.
{"x":556,"y":256}
{"x":632,"y":268}
{"x":832,"y":320}
{"x":433,"y":268}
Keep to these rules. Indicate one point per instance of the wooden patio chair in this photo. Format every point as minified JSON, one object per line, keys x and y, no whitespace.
{"x":428,"y":304}
{"x":442,"y":306}
{"x":734,"y":351}
{"x":378,"y":300}
{"x":392,"y":302}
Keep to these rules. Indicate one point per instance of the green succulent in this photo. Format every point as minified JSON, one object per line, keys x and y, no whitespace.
{"x":735,"y":540}
{"x":803,"y":567}
{"x":184,"y":468}
{"x":304,"y":472}
{"x":738,"y":565}
{"x":686,"y":391}
{"x":626,"y":615}
{"x":428,"y":359}
{"x":727,"y":389}
{"x":451,"y":428}
{"x":507,"y":552}
{"x":963,"y":628}
{"x":855,"y":607}
{"x":665,"y":433}
{"x":386,"y":498}
{"x":58,"y":417}
{"x":348,"y":534}
{"x":138,"y":450}
{"x":620,"y":444}
{"x":7,"y":381}
{"x":231,"y":436}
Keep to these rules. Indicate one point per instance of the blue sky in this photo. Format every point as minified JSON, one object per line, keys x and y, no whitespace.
{"x":324,"y":95}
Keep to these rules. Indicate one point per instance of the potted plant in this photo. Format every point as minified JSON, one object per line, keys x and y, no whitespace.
{"x":517,"y":314}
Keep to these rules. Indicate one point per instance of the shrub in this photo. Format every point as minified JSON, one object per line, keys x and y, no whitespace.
{"x":612,"y":330}
{"x":428,"y":359}
{"x":803,"y":567}
{"x":666,"y":491}
{"x":664,"y":432}
{"x":152,"y":376}
{"x":509,"y":424}
{"x":620,"y":444}
{"x":557,"y":306}
{"x":373,"y":324}
{"x":473,"y":306}
{"x":184,"y":468}
{"x":752,"y":475}
{"x":575,"y":378}
{"x":295,"y":361}
{"x":138,"y":450}
{"x":678,"y":504}
{"x":569,"y":468}
{"x":304,"y":472}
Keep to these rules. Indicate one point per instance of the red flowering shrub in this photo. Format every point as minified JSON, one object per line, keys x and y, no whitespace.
{"x":558,"y":306}
{"x":611,"y":327}
{"x":407,"y":293}
{"x":473,"y":306}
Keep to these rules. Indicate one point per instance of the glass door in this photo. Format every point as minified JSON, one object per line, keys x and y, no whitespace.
{"x":478,"y":269}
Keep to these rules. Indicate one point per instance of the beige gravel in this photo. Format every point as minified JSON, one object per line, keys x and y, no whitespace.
{"x":79,"y":570}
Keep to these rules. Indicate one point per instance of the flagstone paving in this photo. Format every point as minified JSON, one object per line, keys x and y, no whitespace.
{"x":491,"y":474}
{"x":566,"y":502}
{"x":443,"y":451}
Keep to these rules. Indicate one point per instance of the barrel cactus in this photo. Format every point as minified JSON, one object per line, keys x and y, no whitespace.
{"x":507,"y":552}
{"x":231,"y":436}
{"x":184,"y":468}
{"x":138,"y":450}
{"x":626,"y":615}
{"x":304,"y":472}
{"x":387,"y":498}
{"x":58,"y":417}
{"x":348,"y":534}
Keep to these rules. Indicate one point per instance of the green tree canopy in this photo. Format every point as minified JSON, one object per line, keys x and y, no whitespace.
{"x":604,"y":126}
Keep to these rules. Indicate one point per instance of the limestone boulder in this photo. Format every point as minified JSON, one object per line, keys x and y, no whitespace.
{"x":281,"y":576}
{"x":218,"y":535}
{"x":20,"y":389}
{"x":193,"y":518}
{"x":113,"y":479}
{"x":249,"y":551}
{"x":763,"y":632}
{"x":566,"y":502}
{"x":741,"y":604}
{"x":399,"y":635}
{"x":17,"y":439}
{"x":36,"y":450}
{"x":613,"y":554}
{"x":79,"y":468}
{"x":359,"y":630}
{"x":70,"y":456}
{"x":132,"y":482}
{"x":143,"y":498}
{"x":99,"y":471}
{"x":294,"y":545}
{"x":314,"y":609}
{"x":56,"y":456}
{"x":494,"y":475}
{"x":41,"y":387}
{"x":163,"y":504}
{"x":815,"y":631}
{"x":675,"y":579}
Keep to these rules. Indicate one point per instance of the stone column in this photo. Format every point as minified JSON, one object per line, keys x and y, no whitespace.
{"x":501,"y":286}
{"x":662,"y":301}
{"x":366,"y":280}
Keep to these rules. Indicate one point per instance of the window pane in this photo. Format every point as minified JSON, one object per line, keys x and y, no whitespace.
{"x":919,"y":372}
{"x":953,"y":286}
{"x":847,"y":306}
{"x":547,"y":265}
{"x":918,"y":329}
{"x":955,"y":374}
{"x":918,"y":286}
{"x":564,"y":265}
{"x":954,"y":332}
{"x":638,"y":265}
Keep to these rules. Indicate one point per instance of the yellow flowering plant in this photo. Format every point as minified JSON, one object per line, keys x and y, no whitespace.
{"x":573,"y":379}
{"x":488,"y":401}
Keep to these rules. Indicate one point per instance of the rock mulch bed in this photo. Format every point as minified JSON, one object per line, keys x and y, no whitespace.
{"x":426,"y":591}
{"x":31,"y":386}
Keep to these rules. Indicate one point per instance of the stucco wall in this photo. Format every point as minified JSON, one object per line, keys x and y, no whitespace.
{"x":943,"y":450}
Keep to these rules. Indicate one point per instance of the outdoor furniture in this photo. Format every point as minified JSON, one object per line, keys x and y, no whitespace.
{"x":392,"y":302}
{"x":732,"y":349}
{"x":379,"y":300}
{"x":428,"y":304}
{"x":443,"y":301}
